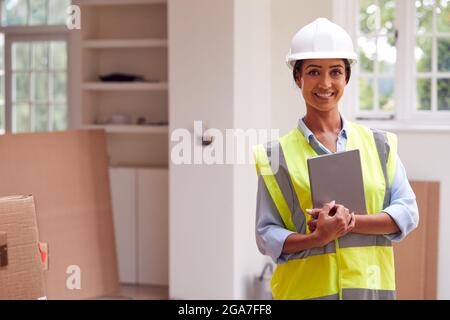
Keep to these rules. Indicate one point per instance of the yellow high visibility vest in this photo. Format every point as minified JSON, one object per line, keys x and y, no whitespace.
{"x":355,"y":266}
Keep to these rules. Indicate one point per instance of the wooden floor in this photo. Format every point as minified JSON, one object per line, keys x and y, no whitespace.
{"x":139,"y":292}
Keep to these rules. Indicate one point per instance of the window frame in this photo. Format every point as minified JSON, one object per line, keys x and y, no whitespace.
{"x":30,"y":34}
{"x":405,"y":112}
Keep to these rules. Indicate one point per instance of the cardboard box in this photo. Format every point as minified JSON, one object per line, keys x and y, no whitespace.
{"x":21,"y":273}
{"x":67,"y":172}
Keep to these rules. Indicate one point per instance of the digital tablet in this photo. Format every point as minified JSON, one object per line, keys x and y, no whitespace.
{"x":337,"y":176}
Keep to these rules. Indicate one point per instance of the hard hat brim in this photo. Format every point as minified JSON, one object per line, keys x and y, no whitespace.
{"x":291,"y":59}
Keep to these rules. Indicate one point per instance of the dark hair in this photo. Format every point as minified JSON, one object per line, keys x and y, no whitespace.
{"x":298,"y":67}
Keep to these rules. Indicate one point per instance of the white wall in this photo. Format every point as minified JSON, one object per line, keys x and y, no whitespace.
{"x":201,"y":203}
{"x":288,"y":16}
{"x":426,"y":156}
{"x":219,"y":73}
{"x":252,"y":94}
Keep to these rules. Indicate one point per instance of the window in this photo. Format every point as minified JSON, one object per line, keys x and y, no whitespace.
{"x":403,"y":72}
{"x":33,"y":66}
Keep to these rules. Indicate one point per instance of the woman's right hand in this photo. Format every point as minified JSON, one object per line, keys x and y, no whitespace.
{"x":330,"y":227}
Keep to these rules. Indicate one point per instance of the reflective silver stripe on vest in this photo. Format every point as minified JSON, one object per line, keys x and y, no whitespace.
{"x":283,"y":179}
{"x":330,"y":297}
{"x":383,"y":149}
{"x":351,"y":240}
{"x":287,"y":189}
{"x":368,"y":294}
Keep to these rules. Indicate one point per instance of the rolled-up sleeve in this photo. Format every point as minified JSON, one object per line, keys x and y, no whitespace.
{"x":403,"y":207}
{"x":270,"y":231}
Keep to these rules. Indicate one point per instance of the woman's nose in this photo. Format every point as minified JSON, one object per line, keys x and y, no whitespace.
{"x":325,"y":82}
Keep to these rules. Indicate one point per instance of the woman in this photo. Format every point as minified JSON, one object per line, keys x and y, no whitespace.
{"x":330,"y":252}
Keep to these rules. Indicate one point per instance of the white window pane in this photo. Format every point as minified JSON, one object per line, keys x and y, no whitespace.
{"x":387,"y":54}
{"x":386,"y":94}
{"x":368,"y":16}
{"x":38,"y":12}
{"x":41,"y":117}
{"x":2,"y":119}
{"x":443,"y":16}
{"x":423,"y":90}
{"x":2,"y":48}
{"x":424,"y":15}
{"x":443,"y":94}
{"x":365,"y":94}
{"x":40,"y":81}
{"x":14,"y":12}
{"x":21,"y":56}
{"x":387,"y":16}
{"x":59,"y":87}
{"x":2,"y":90}
{"x":367,"y":51}
{"x":22,"y":116}
{"x":60,"y":117}
{"x":423,"y":54}
{"x":58,"y":55}
{"x":57,"y":11}
{"x":40,"y":58}
{"x":443,"y":47}
{"x":21,"y":87}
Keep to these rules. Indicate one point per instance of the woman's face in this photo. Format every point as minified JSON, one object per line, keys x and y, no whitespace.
{"x":322,"y":82}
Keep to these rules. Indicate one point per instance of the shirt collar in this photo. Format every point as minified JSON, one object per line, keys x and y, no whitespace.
{"x":308,"y":133}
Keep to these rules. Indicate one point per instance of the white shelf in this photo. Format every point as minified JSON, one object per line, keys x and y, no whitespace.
{"x":126,"y":86}
{"x":125,"y":43}
{"x":118,"y":128}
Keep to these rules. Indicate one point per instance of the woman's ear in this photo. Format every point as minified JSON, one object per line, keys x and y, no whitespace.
{"x":298,"y":81}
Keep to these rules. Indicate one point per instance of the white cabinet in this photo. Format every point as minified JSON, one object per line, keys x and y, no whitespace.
{"x":153,"y":229}
{"x":140,"y":209}
{"x":123,"y":193}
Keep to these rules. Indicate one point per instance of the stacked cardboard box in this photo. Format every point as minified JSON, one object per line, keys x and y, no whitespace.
{"x":21,"y":273}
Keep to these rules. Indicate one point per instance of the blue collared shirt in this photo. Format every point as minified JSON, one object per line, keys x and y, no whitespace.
{"x":271,"y":233}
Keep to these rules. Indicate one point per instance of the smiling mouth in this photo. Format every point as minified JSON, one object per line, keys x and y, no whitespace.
{"x":324,"y":95}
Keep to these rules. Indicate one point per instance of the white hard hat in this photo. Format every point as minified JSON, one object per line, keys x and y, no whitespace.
{"x":321,"y":39}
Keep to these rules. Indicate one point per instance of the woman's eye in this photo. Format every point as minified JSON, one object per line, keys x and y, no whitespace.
{"x":313,"y":73}
{"x":336,"y":72}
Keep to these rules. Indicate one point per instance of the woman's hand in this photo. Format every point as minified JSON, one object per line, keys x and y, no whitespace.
{"x":330,"y":222}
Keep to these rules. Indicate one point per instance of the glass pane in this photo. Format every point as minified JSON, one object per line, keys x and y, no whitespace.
{"x":41,"y":117}
{"x":60,"y":117}
{"x":365,"y":94}
{"x":40,"y":55}
{"x":21,"y":56}
{"x":387,"y":54}
{"x":443,"y":16}
{"x":2,"y":90}
{"x":443,"y":94}
{"x":2,"y":119}
{"x":423,"y":54}
{"x":59,"y":87}
{"x":58,"y":55}
{"x":22,"y":116}
{"x":367,"y":50}
{"x":38,"y":12}
{"x":386,"y":94}
{"x":424,"y":15}
{"x":21,"y":87}
{"x":443,"y":47}
{"x":387,"y":15}
{"x":368,"y":16}
{"x":2,"y":46}
{"x":423,"y":89}
{"x":40,"y":87}
{"x":14,"y":12}
{"x":58,"y":14}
